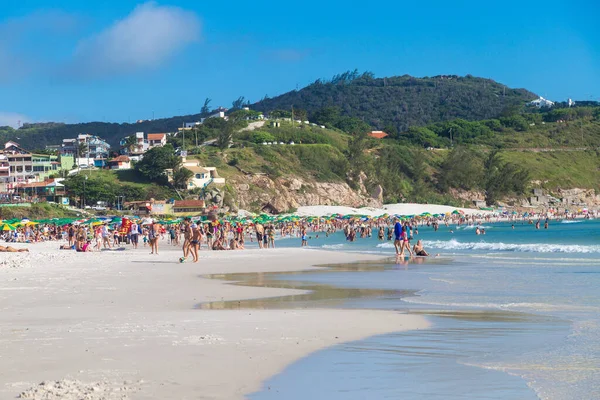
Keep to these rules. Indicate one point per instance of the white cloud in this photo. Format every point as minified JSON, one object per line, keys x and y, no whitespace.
{"x":12,"y":119}
{"x":145,"y":39}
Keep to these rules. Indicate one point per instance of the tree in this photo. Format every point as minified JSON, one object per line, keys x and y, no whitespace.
{"x":502,"y":178}
{"x":262,"y":137}
{"x":130,"y":143}
{"x":391,"y":130}
{"x":225,"y":136}
{"x":156,"y":161}
{"x":181,"y":177}
{"x":462,"y":169}
{"x":238,"y":104}
{"x":205,"y":109}
{"x":82,"y":150}
{"x":300,"y":114}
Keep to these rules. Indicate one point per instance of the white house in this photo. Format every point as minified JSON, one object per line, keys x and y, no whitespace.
{"x":218,"y":114}
{"x":120,"y":162}
{"x":541,"y":103}
{"x":202,"y":176}
{"x":157,"y":139}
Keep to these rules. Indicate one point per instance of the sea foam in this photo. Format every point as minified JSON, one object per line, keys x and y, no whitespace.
{"x":525,"y":248}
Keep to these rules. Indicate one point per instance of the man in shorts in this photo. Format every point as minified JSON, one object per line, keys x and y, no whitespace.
{"x":133,"y":234}
{"x":260,"y":231}
{"x":397,"y":235}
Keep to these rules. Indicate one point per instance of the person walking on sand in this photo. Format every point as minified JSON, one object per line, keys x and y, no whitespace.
{"x":195,"y":241}
{"x":153,"y":235}
{"x":106,"y":236}
{"x":187,"y":237}
{"x":133,"y":234}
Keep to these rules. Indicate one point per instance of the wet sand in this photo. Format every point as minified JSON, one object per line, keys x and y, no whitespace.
{"x":130,"y":325}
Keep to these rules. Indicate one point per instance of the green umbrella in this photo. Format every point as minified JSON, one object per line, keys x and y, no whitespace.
{"x":7,"y":227}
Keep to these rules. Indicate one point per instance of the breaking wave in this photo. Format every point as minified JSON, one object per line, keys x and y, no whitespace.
{"x":524,"y":248}
{"x":332,"y":246}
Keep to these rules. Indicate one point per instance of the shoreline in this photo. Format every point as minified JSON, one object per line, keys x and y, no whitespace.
{"x":125,"y":321}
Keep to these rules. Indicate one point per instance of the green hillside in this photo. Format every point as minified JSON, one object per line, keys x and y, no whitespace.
{"x":503,"y":157}
{"x":402,"y":101}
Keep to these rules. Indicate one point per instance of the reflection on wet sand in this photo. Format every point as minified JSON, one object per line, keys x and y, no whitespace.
{"x":330,"y":296}
{"x":318,"y":295}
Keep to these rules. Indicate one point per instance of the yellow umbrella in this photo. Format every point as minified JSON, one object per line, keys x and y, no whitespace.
{"x":7,"y":227}
{"x":31,"y":223}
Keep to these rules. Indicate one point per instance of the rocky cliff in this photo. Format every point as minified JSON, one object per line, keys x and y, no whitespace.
{"x":260,"y":192}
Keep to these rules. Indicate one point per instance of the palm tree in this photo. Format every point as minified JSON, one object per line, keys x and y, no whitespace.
{"x":130,"y":143}
{"x":82,"y":150}
{"x":181,"y":177}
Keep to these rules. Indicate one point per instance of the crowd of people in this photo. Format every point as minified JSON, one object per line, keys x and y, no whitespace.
{"x":195,"y":234}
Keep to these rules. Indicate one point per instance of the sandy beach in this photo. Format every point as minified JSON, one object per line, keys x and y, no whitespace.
{"x":123,"y":324}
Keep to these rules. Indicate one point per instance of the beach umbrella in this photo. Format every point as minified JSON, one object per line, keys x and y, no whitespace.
{"x":7,"y":227}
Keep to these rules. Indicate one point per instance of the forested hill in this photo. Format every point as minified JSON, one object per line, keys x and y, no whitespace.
{"x":402,"y":101}
{"x":37,"y":136}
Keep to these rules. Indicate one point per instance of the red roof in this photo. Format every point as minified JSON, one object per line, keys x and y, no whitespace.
{"x":120,"y":159}
{"x":188,"y":203}
{"x":156,"y":136}
{"x":35,"y":184}
{"x":378,"y":134}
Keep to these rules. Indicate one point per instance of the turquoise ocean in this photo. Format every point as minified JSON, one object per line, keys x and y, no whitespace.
{"x":515,"y":314}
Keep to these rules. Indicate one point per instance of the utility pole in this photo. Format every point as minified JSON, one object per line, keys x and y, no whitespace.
{"x":292,"y":115}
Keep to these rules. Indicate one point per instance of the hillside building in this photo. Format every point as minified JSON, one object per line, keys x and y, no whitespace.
{"x":157,"y":140}
{"x":19,"y":166}
{"x":377,"y":134}
{"x":136,"y":150}
{"x":87,"y":149}
{"x":120,"y":162}
{"x":541,"y":103}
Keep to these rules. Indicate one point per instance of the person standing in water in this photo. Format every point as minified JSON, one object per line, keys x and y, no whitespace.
{"x":397,"y":235}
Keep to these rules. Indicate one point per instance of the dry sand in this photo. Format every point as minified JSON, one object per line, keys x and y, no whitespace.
{"x":122,"y":325}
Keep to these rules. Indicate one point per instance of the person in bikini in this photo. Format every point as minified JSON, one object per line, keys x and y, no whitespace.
{"x":195,"y":241}
{"x":187,"y":237}
{"x":10,"y":249}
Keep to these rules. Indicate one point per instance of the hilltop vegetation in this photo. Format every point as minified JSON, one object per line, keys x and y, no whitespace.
{"x":447,"y":134}
{"x":361,"y":101}
{"x":401,"y":102}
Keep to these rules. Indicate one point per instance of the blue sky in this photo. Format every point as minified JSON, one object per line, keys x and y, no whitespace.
{"x":119,"y":61}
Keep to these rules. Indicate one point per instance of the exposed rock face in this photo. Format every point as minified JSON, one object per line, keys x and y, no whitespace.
{"x":284,"y":194}
{"x":579,"y":196}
